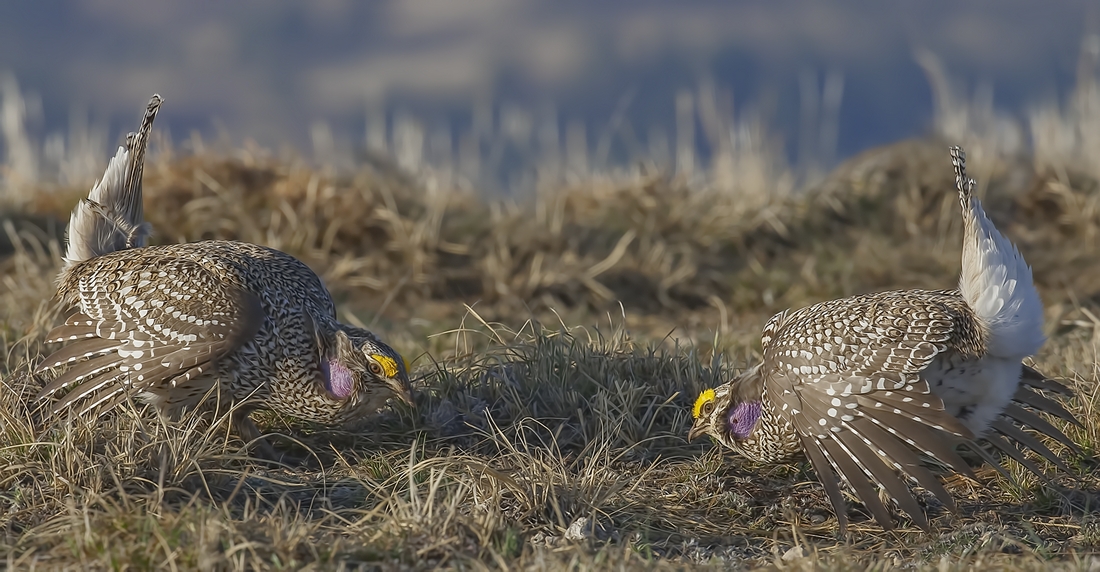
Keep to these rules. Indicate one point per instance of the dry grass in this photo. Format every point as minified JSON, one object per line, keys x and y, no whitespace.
{"x":559,"y":343}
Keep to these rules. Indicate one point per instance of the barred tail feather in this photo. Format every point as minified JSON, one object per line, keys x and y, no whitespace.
{"x":996,"y":281}
{"x":111,"y":218}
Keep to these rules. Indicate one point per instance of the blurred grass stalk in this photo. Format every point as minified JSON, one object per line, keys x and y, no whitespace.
{"x":509,"y":147}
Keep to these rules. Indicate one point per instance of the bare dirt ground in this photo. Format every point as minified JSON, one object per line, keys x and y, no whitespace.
{"x":558,"y":343}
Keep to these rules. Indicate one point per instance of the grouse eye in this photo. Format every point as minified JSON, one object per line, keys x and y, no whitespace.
{"x":375,"y":368}
{"x":707,"y":408}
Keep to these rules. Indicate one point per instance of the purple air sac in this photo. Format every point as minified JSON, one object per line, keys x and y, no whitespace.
{"x":338,"y":379}
{"x":742,"y":419}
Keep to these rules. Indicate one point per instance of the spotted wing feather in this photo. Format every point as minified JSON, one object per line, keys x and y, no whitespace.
{"x":145,"y":325}
{"x":1027,"y":396}
{"x":1030,"y":419}
{"x":843,"y":370}
{"x":1008,"y":433}
{"x":1033,"y":378}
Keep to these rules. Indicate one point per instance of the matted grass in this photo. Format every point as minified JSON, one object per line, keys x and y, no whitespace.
{"x":558,"y":345}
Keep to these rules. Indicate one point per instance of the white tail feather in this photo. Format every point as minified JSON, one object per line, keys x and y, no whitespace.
{"x":111,"y":218}
{"x":996,"y":281}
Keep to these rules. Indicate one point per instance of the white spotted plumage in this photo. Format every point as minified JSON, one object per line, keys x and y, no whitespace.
{"x":169,"y":324}
{"x":854,"y":383}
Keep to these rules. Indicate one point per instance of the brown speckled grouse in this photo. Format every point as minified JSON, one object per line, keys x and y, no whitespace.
{"x":200,"y":324}
{"x":862,"y":384}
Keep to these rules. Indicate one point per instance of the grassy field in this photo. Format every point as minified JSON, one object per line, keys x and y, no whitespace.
{"x":558,"y":343}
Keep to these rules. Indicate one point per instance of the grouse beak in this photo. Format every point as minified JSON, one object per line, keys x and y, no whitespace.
{"x":698,"y":429}
{"x":404,"y":393}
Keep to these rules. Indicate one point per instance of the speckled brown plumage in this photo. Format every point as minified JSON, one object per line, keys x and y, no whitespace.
{"x":862,"y":384}
{"x":206,"y":323}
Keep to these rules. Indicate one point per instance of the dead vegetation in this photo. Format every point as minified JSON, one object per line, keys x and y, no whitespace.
{"x":559,"y":340}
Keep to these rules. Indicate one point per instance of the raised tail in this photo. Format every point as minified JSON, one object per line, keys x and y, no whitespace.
{"x":111,"y":218}
{"x":996,"y":281}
